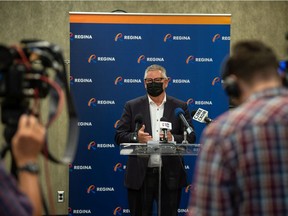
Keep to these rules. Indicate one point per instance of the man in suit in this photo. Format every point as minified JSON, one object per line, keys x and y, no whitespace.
{"x":142,"y":173}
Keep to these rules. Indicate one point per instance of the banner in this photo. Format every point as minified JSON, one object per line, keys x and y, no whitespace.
{"x":109,"y":54}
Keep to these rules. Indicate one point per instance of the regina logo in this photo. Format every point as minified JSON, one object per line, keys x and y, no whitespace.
{"x":119,"y":37}
{"x":82,"y":167}
{"x":71,"y":80}
{"x":71,"y":36}
{"x":118,"y":80}
{"x":78,"y":211}
{"x":91,"y":146}
{"x":216,"y":37}
{"x":203,"y":102}
{"x":118,"y":167}
{"x":85,"y":124}
{"x":91,"y":189}
{"x":70,"y":167}
{"x":117,"y":211}
{"x":92,"y":102}
{"x":189,"y":188}
{"x":80,"y":37}
{"x":80,"y":80}
{"x":70,"y":213}
{"x":193,"y":59}
{"x":92,"y":58}
{"x":122,"y":37}
{"x":189,"y":101}
{"x":116,"y":124}
{"x":180,"y":81}
{"x":168,"y":37}
{"x":142,"y":59}
{"x":190,"y":59}
{"x":105,"y":145}
{"x":215,"y":80}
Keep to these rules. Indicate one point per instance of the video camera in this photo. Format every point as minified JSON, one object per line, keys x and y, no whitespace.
{"x":30,"y":71}
{"x":21,"y":71}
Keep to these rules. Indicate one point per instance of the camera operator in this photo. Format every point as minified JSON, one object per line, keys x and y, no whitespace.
{"x":23,"y":197}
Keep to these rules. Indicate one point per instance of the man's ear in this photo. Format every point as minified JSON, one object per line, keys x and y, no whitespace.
{"x":166,"y":82}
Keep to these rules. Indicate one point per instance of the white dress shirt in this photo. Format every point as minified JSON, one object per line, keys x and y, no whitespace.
{"x":156,"y":113}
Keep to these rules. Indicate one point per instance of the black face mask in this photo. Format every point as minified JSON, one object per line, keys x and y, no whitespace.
{"x":154,"y":89}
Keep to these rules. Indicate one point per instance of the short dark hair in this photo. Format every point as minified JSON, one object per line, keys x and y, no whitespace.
{"x":250,"y":59}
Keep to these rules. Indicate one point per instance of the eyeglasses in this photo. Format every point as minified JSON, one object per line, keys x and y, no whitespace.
{"x":156,"y":80}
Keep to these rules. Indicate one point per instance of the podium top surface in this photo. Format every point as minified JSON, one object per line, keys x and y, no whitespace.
{"x":168,"y":149}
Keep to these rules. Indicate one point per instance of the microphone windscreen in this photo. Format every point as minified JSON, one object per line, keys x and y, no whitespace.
{"x":179,"y":111}
{"x":138,"y":119}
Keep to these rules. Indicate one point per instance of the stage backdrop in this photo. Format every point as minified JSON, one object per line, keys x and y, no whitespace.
{"x":109,"y":54}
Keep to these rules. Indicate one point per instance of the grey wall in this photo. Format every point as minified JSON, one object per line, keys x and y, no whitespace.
{"x":49,"y":20}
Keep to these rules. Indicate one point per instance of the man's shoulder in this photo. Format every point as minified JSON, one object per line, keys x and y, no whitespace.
{"x":174,"y":100}
{"x":137,"y":100}
{"x":225,"y":124}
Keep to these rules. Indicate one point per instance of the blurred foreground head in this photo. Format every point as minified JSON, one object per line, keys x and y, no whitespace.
{"x":251,"y":67}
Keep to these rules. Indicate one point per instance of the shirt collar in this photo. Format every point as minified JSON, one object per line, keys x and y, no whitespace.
{"x":271,"y":92}
{"x":152,"y":102}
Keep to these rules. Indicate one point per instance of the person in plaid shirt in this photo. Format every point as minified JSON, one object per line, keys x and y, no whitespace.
{"x":242,"y":168}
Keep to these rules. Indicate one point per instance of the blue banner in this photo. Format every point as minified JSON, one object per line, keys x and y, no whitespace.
{"x":109,"y":54}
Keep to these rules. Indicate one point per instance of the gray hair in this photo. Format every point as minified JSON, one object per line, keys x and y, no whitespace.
{"x":156,"y":67}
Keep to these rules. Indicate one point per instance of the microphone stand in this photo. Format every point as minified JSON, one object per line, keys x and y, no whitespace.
{"x":185,"y":138}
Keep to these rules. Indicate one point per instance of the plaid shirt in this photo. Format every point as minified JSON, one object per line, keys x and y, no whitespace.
{"x":12,"y":200}
{"x":242,"y":168}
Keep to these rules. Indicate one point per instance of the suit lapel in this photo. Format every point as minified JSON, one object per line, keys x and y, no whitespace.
{"x":147,"y":119}
{"x":167,"y":108}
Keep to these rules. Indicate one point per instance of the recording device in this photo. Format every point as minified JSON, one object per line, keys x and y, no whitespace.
{"x":201,"y":115}
{"x":230,"y":84}
{"x":165,"y":126}
{"x":180,"y":114}
{"x":18,"y":80}
{"x":138,"y":123}
{"x":30,"y":71}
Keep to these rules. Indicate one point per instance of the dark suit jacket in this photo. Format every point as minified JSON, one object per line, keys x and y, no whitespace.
{"x":173,"y":167}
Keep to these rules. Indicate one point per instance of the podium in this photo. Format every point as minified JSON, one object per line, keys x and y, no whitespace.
{"x":161,"y":149}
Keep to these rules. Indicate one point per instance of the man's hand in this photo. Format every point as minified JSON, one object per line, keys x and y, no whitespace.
{"x":28,"y":140}
{"x":27,"y":143}
{"x":143,"y":137}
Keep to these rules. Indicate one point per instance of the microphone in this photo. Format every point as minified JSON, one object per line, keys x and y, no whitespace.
{"x":138,"y":123}
{"x":201,"y":115}
{"x":165,"y":126}
{"x":179,"y":113}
